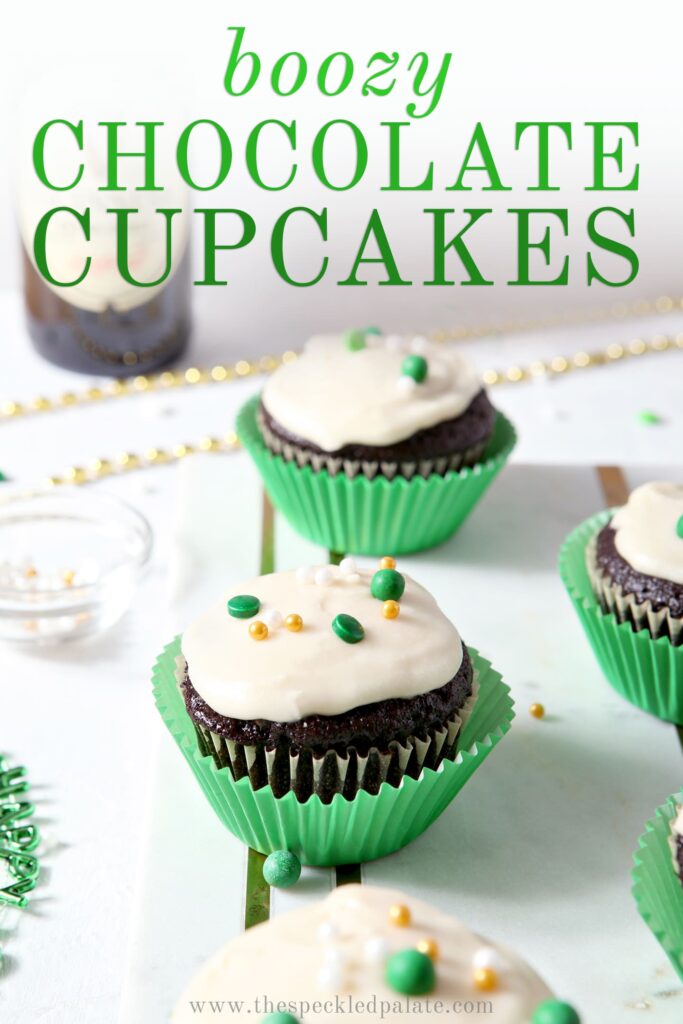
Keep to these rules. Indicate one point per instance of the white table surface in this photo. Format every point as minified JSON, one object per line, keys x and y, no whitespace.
{"x":81,"y":717}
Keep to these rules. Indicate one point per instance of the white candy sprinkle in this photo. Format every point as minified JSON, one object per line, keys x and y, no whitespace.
{"x":324,"y":576}
{"x":328,"y":930}
{"x":305,"y":574}
{"x":330,"y":977}
{"x":376,"y":949}
{"x":406,"y":385}
{"x":487,"y":957}
{"x":353,"y":577}
{"x":272,"y":618}
{"x":419,"y":345}
{"x":348,"y":566}
{"x":394,"y":342}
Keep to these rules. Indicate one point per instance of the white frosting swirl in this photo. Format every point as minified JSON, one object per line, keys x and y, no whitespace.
{"x":332,"y":396}
{"x":646,"y":531}
{"x":291,"y":675}
{"x":339,"y":946}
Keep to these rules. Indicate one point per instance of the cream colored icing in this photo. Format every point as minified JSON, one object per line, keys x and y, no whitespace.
{"x":340,"y":945}
{"x":677,"y":825}
{"x":646,"y":535}
{"x":290,"y":675}
{"x":333,"y":397}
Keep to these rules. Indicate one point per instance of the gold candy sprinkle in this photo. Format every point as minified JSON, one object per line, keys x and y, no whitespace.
{"x":390,"y":609}
{"x":258,"y":630}
{"x":387,"y":562}
{"x":536,"y":710}
{"x":429,"y":947}
{"x":485,"y":979}
{"x":31,"y":572}
{"x":294,"y":623}
{"x":399,"y":914}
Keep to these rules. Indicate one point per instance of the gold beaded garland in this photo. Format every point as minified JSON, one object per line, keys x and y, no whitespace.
{"x":387,"y":562}
{"x":485,"y":979}
{"x":294,"y":623}
{"x":258,"y":630}
{"x":391,"y":609}
{"x":399,"y":914}
{"x":537,"y":710}
{"x":429,"y":947}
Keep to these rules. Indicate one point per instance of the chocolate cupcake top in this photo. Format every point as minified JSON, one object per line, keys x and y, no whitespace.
{"x":363,"y":388}
{"x":321,"y":640}
{"x":648,"y":531}
{"x":362,"y":944}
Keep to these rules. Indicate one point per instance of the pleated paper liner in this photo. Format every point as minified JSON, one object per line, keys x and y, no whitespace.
{"x":343,"y":831}
{"x":647,"y":672}
{"x":657,"y":890}
{"x":371,"y":517}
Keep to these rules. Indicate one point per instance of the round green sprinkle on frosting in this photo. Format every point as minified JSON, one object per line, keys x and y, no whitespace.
{"x":554,"y":1011}
{"x":355,"y":340}
{"x":375,"y":331}
{"x":282,"y":869}
{"x":649,"y":418}
{"x":410,"y":972}
{"x":348,"y":628}
{"x":243,"y":606}
{"x":679,"y":527}
{"x":415,"y":367}
{"x":280,"y":1018}
{"x":387,"y":585}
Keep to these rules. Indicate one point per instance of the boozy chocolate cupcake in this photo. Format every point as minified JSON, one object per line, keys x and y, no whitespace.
{"x":676,"y":842}
{"x":369,"y":443}
{"x":367,"y":952}
{"x":635,"y":562}
{"x":365,"y":404}
{"x":327,"y":680}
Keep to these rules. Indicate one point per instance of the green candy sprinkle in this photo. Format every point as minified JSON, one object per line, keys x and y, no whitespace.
{"x":243,"y":606}
{"x":554,"y":1011}
{"x":679,"y":527}
{"x":415,"y":367}
{"x":282,"y":869}
{"x":375,"y":331}
{"x":355,"y":340}
{"x":649,"y":418}
{"x":280,"y":1018}
{"x":348,"y":628}
{"x":410,"y":972}
{"x":387,"y":585}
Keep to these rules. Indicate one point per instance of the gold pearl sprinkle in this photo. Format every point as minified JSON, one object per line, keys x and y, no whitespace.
{"x":536,"y":710}
{"x":142,"y":383}
{"x":391,"y":609}
{"x":429,"y":947}
{"x":485,"y":979}
{"x":581,"y":359}
{"x":387,"y":562}
{"x":258,"y":630}
{"x":661,"y":343}
{"x":399,"y":914}
{"x":294,"y":623}
{"x":30,"y":572}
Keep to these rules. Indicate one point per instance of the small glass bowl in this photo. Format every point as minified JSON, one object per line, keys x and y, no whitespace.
{"x":70,"y":563}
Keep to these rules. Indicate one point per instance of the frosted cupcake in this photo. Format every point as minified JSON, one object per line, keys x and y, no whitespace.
{"x":328,"y":680}
{"x":676,"y":843}
{"x":380,"y":436}
{"x":333,"y":711}
{"x":366,"y":951}
{"x":624,"y":572}
{"x":636,"y":561}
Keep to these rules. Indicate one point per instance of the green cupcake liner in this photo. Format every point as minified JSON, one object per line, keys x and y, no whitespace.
{"x":657,"y":889}
{"x":343,"y":831}
{"x":370,"y":517}
{"x":647,"y":672}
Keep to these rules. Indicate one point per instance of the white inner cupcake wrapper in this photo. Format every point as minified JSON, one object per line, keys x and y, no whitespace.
{"x":353,"y":467}
{"x":435,"y":741}
{"x":626,"y":607}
